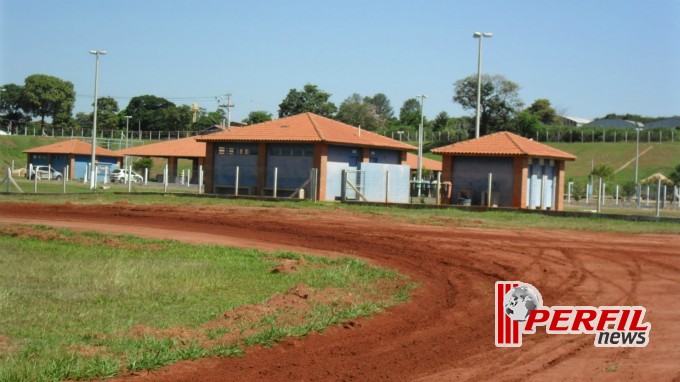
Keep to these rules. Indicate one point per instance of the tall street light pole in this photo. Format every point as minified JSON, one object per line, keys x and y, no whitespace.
{"x":420,"y":143}
{"x":93,"y":168}
{"x":480,"y":36}
{"x":637,"y":156}
{"x":127,"y":126}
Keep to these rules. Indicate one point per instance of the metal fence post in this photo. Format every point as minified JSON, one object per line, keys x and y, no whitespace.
{"x":599,"y":196}
{"x":647,"y":205}
{"x":146,"y":175}
{"x":343,"y":186}
{"x":439,"y":188}
{"x":165,"y":179}
{"x":387,"y":186}
{"x":276,"y":181}
{"x":658,"y":197}
{"x":617,"y":195}
{"x":63,"y":178}
{"x":35,"y":182}
{"x":236,"y":182}
{"x":200,"y":179}
{"x":488,"y":193}
{"x":129,"y":180}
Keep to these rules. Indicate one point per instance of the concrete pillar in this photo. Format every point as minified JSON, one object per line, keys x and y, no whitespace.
{"x":559,"y":185}
{"x":261,"y":167}
{"x":447,"y":177}
{"x":520,"y":173}
{"x":321,"y":163}
{"x":72,"y":167}
{"x":208,"y":165}
{"x":366,"y":155}
{"x":172,"y":169}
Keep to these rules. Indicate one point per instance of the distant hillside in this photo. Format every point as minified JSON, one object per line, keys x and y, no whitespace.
{"x":657,"y":157}
{"x":12,"y":147}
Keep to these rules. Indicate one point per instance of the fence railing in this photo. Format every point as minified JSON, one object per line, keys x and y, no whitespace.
{"x":545,"y":134}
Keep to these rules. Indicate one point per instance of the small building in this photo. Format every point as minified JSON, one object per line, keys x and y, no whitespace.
{"x":172,"y":151}
{"x":673,"y":122}
{"x":525,"y":173}
{"x":615,"y":123}
{"x":573,"y":121}
{"x":77,"y":155}
{"x":255,"y":159}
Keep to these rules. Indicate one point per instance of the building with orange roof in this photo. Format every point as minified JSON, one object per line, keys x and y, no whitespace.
{"x":525,"y":173}
{"x":292,"y":147}
{"x":184,"y":148}
{"x":74,"y":153}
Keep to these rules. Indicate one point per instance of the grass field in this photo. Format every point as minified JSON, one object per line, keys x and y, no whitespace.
{"x":660,"y":157}
{"x":82,"y":305}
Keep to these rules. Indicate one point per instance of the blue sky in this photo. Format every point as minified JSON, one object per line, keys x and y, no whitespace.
{"x":589,"y":58}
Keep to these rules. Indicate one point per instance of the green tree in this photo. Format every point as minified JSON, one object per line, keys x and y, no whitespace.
{"x":258,"y":116}
{"x":675,"y":176}
{"x":310,"y":99}
{"x":10,"y":106}
{"x":382,"y":106}
{"x":153,"y":113}
{"x":142,"y":163}
{"x":542,"y":109}
{"x":603,"y":171}
{"x":409,"y":114}
{"x":499,"y":100}
{"x":525,"y":124}
{"x":83,"y":120}
{"x":47,"y":96}
{"x":107,"y":114}
{"x":357,"y":111}
{"x":441,"y":121}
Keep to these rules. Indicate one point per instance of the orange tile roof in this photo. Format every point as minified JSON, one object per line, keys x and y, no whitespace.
{"x":430,"y":164}
{"x":72,"y":146}
{"x":306,"y":127}
{"x":503,"y":144}
{"x":179,"y":148}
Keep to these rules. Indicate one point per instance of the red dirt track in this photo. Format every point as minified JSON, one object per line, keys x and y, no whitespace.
{"x":446,"y":331}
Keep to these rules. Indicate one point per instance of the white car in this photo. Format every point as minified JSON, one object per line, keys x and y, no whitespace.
{"x":121,"y":175}
{"x":43,"y":172}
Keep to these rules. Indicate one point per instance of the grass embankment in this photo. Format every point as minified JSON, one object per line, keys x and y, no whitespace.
{"x":501,"y":219}
{"x":659,"y":157}
{"x":87,"y":305}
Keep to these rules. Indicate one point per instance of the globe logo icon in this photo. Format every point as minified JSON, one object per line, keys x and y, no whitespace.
{"x":520,"y":301}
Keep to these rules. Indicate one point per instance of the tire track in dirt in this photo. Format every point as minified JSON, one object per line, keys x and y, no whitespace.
{"x":446,"y":331}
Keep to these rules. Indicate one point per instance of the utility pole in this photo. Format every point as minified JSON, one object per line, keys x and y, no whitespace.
{"x":228,"y":106}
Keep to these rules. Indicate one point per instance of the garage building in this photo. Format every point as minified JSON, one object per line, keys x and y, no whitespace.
{"x":281,"y":154}
{"x":525,"y":173}
{"x":76,"y":154}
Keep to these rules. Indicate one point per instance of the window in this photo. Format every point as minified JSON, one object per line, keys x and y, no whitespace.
{"x":221,"y":150}
{"x":231,"y":151}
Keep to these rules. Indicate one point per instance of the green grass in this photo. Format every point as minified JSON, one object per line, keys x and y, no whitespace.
{"x":12,"y":147}
{"x":499,"y":219}
{"x":662,"y":157}
{"x":69,"y":300}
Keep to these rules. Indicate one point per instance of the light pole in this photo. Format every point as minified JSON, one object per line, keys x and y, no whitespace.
{"x":480,"y":36}
{"x":127,"y":125}
{"x":93,"y":168}
{"x":637,"y":156}
{"x":420,"y":143}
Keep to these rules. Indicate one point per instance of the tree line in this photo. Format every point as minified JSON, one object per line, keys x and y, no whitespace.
{"x":43,"y":96}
